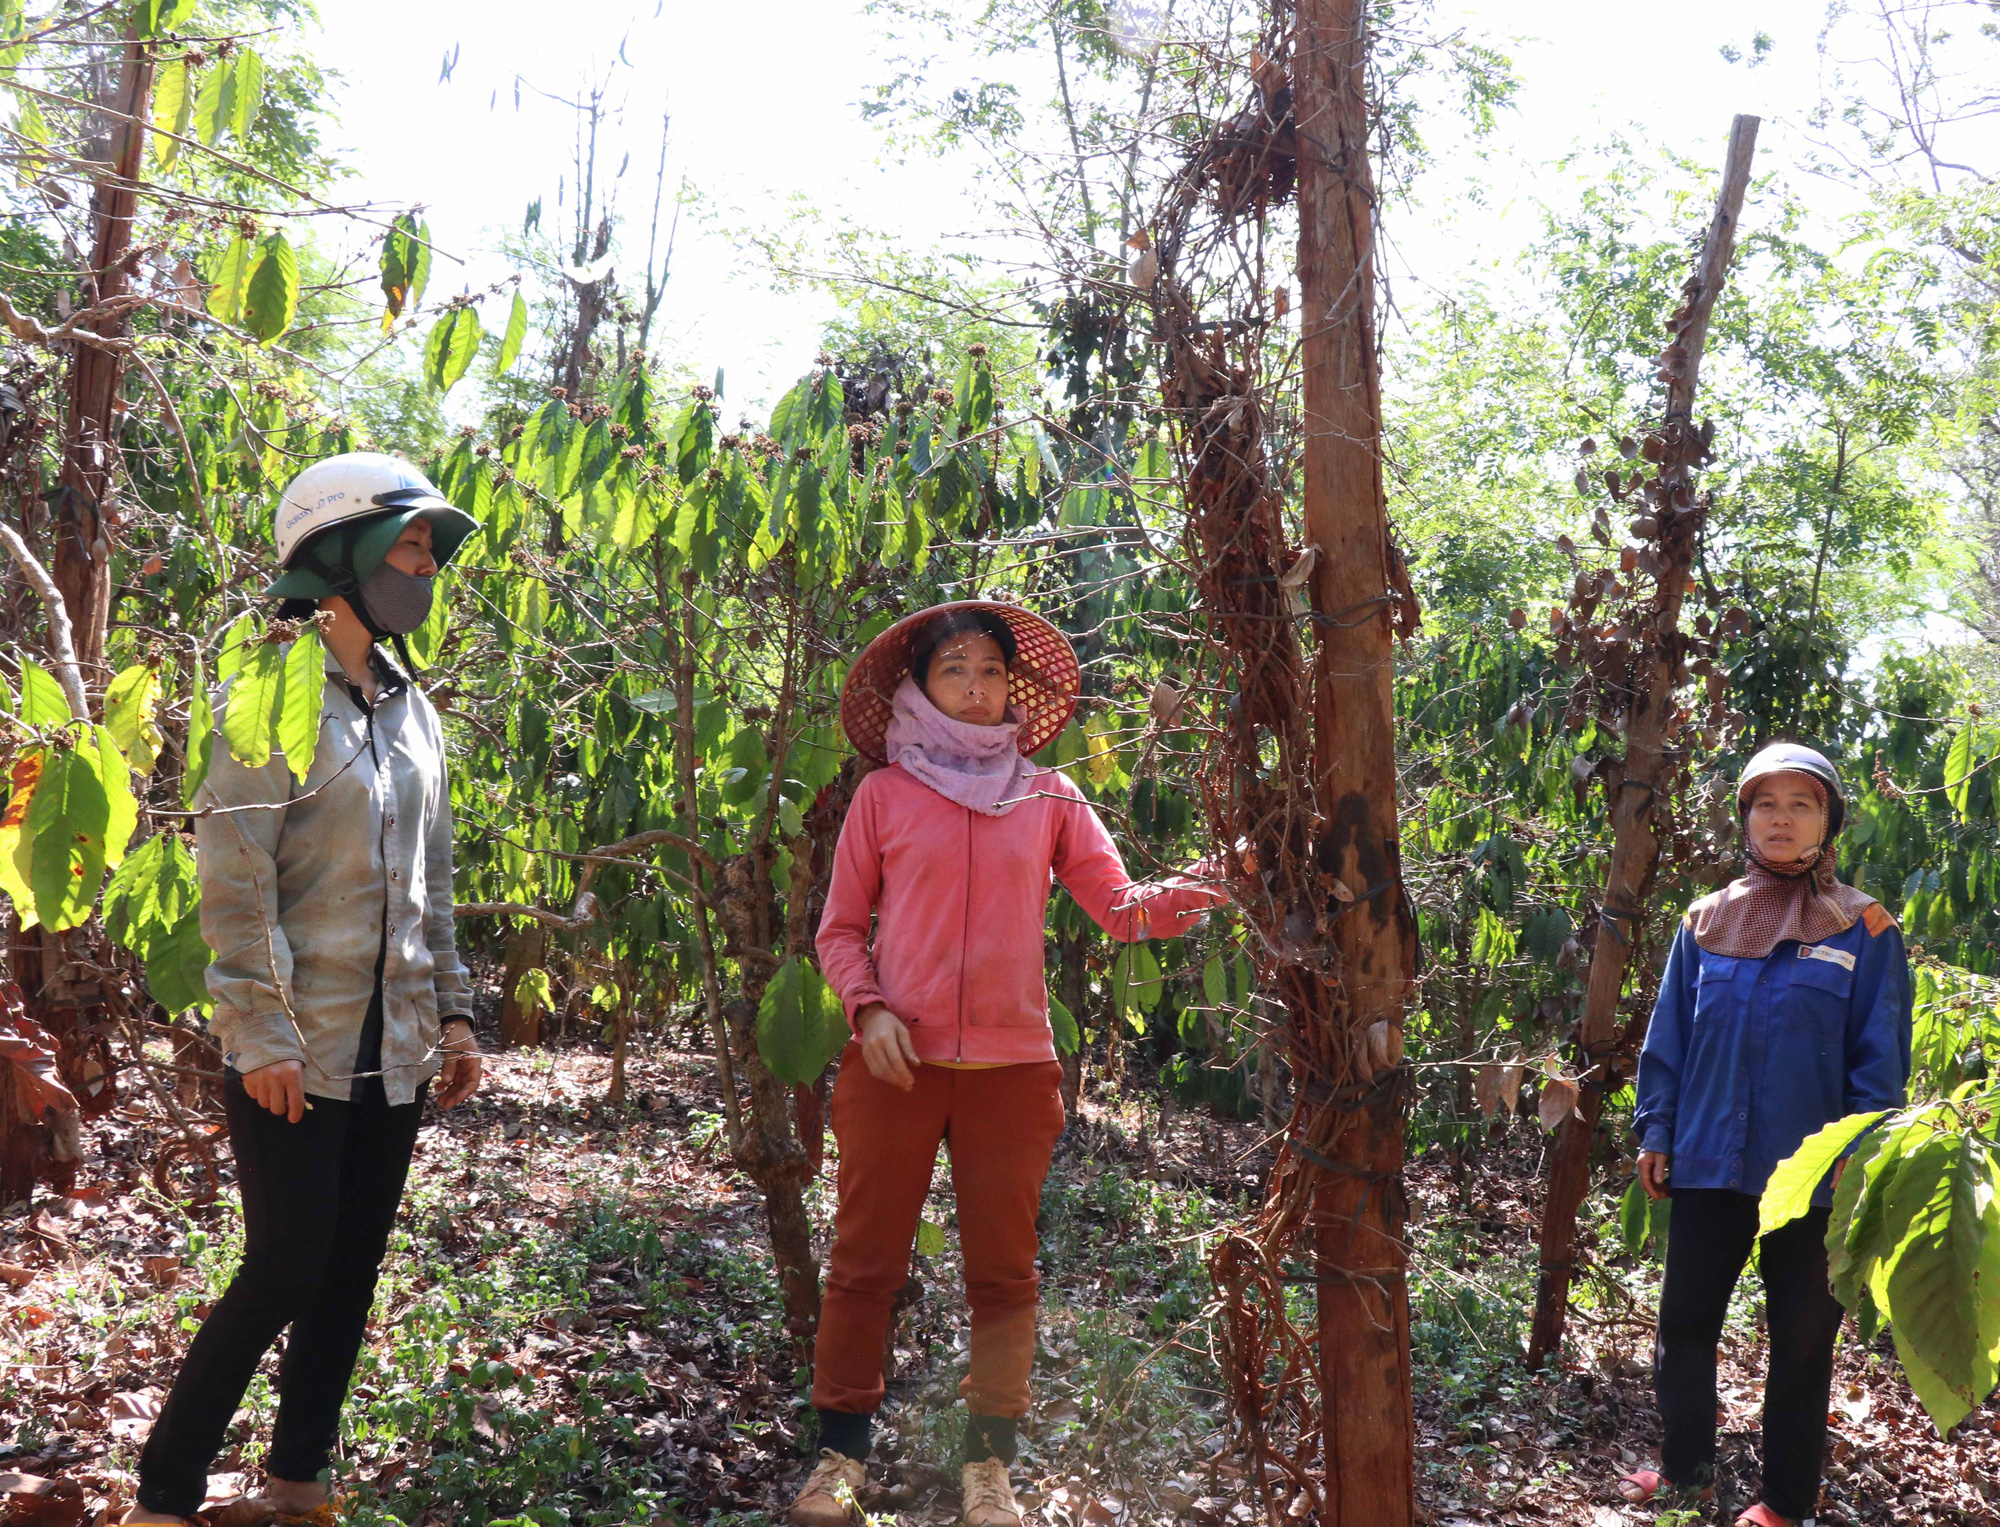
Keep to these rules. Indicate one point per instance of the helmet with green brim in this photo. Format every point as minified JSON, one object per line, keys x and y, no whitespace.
{"x":339,"y":517}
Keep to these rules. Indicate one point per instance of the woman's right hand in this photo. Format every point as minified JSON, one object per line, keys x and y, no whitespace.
{"x":280,"y":1087}
{"x":886,"y":1047}
{"x":1653,"y":1173}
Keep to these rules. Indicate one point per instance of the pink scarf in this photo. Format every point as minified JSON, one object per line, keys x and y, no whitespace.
{"x":980,"y":767}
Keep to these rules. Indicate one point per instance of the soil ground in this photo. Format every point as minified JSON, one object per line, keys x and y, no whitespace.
{"x":578,"y":1324}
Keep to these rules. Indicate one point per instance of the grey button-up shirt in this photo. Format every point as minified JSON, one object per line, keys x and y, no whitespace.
{"x":300,"y":894}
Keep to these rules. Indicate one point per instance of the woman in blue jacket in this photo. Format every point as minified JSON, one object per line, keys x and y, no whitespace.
{"x":1785,"y":1006}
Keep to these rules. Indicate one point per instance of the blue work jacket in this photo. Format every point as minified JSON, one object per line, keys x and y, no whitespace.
{"x":1745,"y":1058}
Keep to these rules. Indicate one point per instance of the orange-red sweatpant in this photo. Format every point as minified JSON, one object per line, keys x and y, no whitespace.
{"x":1000,"y":1126}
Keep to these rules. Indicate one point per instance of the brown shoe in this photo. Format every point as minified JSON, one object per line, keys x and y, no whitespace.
{"x":989,"y":1497}
{"x":827,"y":1498}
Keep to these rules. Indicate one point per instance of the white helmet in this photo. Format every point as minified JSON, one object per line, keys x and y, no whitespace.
{"x":346,"y":488}
{"x":368,"y":486}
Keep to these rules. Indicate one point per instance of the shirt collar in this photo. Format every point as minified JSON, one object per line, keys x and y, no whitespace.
{"x":390,"y":680}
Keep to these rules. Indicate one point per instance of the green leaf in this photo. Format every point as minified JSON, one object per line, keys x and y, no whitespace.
{"x":747,"y":766}
{"x":533,"y":990}
{"x":116,"y":777}
{"x":1854,"y":1238}
{"x":930,"y":1238}
{"x":247,"y":99}
{"x":406,"y":266}
{"x":1215,"y":983}
{"x":43,"y":703}
{"x":130,"y":705}
{"x":1932,"y":1290}
{"x":1146,"y":975}
{"x":228,"y":274}
{"x":1789,"y":1192}
{"x":975,"y":403}
{"x":200,"y":736}
{"x":65,"y":834}
{"x":237,"y":643}
{"x":801,"y":1025}
{"x":176,"y":966}
{"x":1634,"y":1215}
{"x":1062,"y":1022}
{"x":271,"y":294}
{"x":448,"y":352}
{"x":155,"y":889}
{"x":1958,"y":768}
{"x":249,"y":705}
{"x":527,"y":608}
{"x":428,"y":639}
{"x":299,"y":708}
{"x":828,"y":407}
{"x":517,"y":330}
{"x":215,"y":104}
{"x":173,"y":105}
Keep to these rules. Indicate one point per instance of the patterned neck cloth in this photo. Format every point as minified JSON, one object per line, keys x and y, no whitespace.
{"x":1750,"y":917}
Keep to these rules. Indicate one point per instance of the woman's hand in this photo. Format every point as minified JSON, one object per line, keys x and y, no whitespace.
{"x":462,"y":1066}
{"x":1653,"y":1173}
{"x":885,"y":1045}
{"x":280,"y":1087}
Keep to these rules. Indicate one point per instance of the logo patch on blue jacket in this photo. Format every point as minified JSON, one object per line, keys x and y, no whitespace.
{"x":1832,"y":956}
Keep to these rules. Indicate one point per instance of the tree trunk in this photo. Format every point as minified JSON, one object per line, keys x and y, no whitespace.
{"x":521,"y":1022}
{"x":621,"y":1042}
{"x":85,"y":518}
{"x":1359,"y":1208}
{"x":60,"y":990}
{"x":1648,"y":768}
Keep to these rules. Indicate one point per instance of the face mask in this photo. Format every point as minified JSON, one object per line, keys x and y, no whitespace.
{"x":396,"y":601}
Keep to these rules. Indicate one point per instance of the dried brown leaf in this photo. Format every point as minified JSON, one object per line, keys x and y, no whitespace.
{"x":1486,"y":1087}
{"x":1558,"y":1101}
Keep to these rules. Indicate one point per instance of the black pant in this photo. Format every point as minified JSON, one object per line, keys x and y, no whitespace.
{"x":319,"y":1200}
{"x":1708,"y":1241}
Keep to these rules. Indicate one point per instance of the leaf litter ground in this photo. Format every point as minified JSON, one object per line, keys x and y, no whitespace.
{"x":577,"y":1323}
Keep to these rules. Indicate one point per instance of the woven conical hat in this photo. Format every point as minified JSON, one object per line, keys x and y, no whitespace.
{"x":1042,"y":683}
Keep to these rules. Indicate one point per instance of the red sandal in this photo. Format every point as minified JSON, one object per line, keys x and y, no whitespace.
{"x":1761,"y":1515}
{"x":1648,"y":1482}
{"x":1651,"y":1483}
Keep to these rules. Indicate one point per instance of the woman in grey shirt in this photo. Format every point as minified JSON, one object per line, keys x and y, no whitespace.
{"x":337,"y":986}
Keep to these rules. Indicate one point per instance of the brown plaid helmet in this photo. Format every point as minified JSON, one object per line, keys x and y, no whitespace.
{"x":1042,"y":682}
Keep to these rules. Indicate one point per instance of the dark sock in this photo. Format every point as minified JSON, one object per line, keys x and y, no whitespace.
{"x":991,"y":1437}
{"x":845,"y":1432}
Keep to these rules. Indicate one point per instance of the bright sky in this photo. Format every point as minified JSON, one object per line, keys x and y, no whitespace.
{"x":764,"y":105}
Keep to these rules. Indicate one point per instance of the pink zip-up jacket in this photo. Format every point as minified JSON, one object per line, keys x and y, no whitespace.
{"x":960,"y":905}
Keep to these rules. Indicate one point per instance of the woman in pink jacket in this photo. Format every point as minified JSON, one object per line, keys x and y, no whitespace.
{"x":949,"y":852}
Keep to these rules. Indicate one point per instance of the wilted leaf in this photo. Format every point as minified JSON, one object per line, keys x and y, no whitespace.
{"x":1301,"y":568}
{"x":406,"y":266}
{"x":1559,"y":1096}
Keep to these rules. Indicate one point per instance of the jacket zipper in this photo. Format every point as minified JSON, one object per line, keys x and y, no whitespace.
{"x":382,"y":848}
{"x":965,"y":932}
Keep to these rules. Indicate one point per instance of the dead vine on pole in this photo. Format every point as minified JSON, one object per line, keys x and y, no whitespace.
{"x":1230,"y":392}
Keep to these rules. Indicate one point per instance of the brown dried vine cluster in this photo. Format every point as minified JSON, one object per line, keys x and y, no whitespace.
{"x":1218,"y":385}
